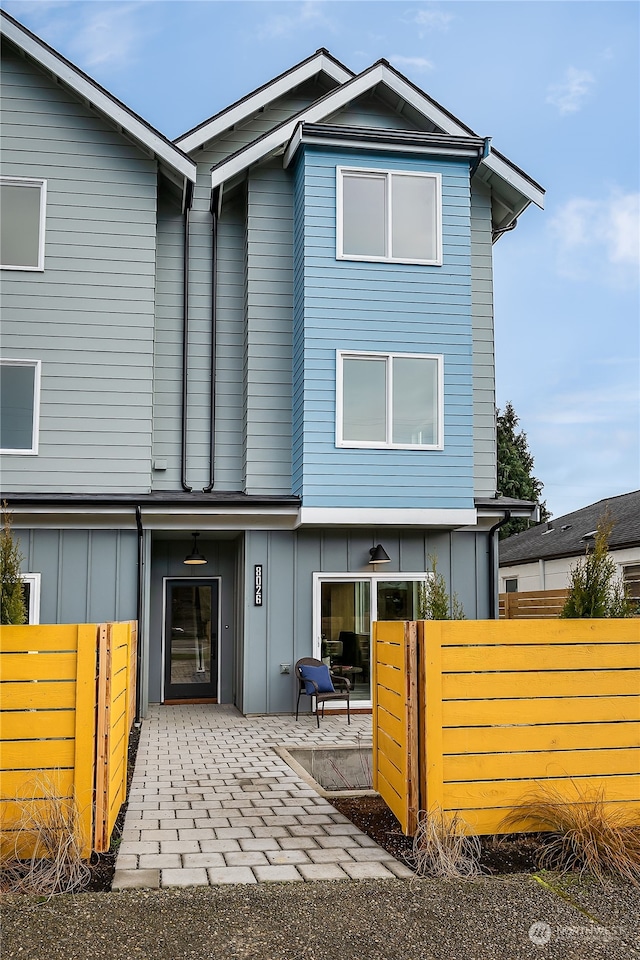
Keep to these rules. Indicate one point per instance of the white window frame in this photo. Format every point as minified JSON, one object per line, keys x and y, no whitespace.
{"x":388,"y":444}
{"x":33,"y":579}
{"x":387,"y":174}
{"x":32,"y":183}
{"x":7,"y":362}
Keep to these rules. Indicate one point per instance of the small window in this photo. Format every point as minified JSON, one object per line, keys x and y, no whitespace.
{"x":631,"y":580}
{"x":31,"y":593}
{"x":390,"y":216}
{"x":22,"y":219}
{"x":389,"y":400}
{"x":511,"y":585}
{"x":19,"y":406}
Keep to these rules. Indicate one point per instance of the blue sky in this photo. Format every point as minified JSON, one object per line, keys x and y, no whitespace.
{"x":556,"y":84}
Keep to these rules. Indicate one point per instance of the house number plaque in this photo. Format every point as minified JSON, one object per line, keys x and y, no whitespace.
{"x":257,"y":581}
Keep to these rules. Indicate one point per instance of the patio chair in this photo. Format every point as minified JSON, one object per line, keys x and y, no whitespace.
{"x":320,"y":683}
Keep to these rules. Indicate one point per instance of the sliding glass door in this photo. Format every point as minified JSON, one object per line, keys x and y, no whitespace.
{"x":345,"y":609}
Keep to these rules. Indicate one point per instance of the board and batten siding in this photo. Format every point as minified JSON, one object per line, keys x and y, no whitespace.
{"x":86,"y":576}
{"x":484,"y":388}
{"x":89,"y":316}
{"x":282,"y":629}
{"x":380,"y":307}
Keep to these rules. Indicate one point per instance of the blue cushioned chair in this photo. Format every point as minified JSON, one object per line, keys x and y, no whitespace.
{"x":321,"y":684}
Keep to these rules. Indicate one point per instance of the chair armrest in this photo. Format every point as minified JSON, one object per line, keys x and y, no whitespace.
{"x":340,"y":681}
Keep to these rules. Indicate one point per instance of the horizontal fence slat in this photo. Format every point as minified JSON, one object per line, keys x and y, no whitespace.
{"x":40,"y":695}
{"x":552,"y":736}
{"x":37,"y":666}
{"x":394,"y":751}
{"x":37,"y":724}
{"x":490,"y":820}
{"x":542,"y":765}
{"x":392,"y":702}
{"x":456,"y":713}
{"x":37,"y":754}
{"x":391,"y":654}
{"x":394,"y":726}
{"x":24,"y":783}
{"x":508,"y":793}
{"x":392,"y":775}
{"x":556,"y":657}
{"x":549,"y":683}
{"x":39,"y":638}
{"x":390,"y":678}
{"x":468,"y":633}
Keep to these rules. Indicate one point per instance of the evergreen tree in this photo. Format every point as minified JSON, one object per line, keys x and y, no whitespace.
{"x":13,"y":608}
{"x":515,"y":465}
{"x":433,"y":598}
{"x":595,"y":589}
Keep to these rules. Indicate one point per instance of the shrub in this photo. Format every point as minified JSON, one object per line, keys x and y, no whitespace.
{"x":595,"y":590}
{"x":434,"y":602}
{"x":13,"y":609}
{"x":586,"y":835}
{"x":443,"y":848}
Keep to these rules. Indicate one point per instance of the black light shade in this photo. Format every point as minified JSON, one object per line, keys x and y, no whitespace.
{"x":195,"y":556}
{"x":378,"y":555}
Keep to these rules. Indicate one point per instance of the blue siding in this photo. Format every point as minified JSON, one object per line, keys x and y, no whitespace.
{"x":347,"y":305}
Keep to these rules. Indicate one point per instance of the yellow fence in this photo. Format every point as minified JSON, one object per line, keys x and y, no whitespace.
{"x":532,"y":604}
{"x":64,"y":718}
{"x":506,"y":707}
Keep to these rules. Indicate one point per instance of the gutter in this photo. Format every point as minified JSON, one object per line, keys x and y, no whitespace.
{"x":139,"y":611}
{"x":216,"y":199}
{"x":493,"y":595}
{"x":185,"y":337}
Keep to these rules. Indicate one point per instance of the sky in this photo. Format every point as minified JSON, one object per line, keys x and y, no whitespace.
{"x":557,"y":87}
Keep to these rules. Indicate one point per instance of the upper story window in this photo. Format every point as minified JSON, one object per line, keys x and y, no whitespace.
{"x":23,"y":210}
{"x":19,"y":406}
{"x":389,"y":400}
{"x":389,"y":216}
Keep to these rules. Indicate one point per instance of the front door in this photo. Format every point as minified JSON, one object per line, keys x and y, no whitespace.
{"x":191,"y":634}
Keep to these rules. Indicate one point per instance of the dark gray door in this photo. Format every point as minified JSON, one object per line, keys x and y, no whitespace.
{"x":191,"y":639}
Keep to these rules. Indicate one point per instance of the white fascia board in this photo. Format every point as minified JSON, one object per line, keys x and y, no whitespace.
{"x":510,"y":175}
{"x":92,"y":93}
{"x":388,"y":147}
{"x":204,"y":518}
{"x":318,"y":64}
{"x":371,"y":516}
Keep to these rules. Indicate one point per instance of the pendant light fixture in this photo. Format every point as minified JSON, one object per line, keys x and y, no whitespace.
{"x":379,"y":555}
{"x":195,"y":556}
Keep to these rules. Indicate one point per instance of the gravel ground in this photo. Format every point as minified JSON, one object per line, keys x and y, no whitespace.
{"x":355,"y":920}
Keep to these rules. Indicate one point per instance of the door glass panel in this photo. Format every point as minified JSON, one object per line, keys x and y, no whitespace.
{"x":190,"y":635}
{"x":397,"y":599}
{"x":346,"y":632}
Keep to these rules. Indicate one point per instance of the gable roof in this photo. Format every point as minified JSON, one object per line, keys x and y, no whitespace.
{"x":519,"y":189}
{"x":319,"y":62}
{"x":173,"y":161}
{"x":567,"y":536}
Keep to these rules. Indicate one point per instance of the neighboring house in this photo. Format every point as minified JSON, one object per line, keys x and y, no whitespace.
{"x":542,"y":557}
{"x":277,"y":333}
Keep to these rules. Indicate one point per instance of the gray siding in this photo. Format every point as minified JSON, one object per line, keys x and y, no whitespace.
{"x":370,"y":111}
{"x":281,"y":631}
{"x":268,"y":331}
{"x":90,"y":314}
{"x":484,"y":392}
{"x":87,"y":576}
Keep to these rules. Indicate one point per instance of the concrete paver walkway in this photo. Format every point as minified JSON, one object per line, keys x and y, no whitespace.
{"x":211,"y":802}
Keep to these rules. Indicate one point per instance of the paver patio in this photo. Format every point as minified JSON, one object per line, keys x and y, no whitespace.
{"x":211,"y":802}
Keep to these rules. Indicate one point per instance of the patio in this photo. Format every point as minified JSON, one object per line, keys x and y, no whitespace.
{"x":211,"y":802}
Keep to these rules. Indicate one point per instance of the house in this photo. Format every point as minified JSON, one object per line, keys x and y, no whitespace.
{"x":542,"y":557}
{"x":248,"y":376}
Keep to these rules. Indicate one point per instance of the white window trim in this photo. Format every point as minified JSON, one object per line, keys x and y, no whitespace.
{"x":388,"y":174}
{"x":33,"y":579}
{"x":389,"y":357}
{"x":42,"y":184}
{"x":7,"y":362}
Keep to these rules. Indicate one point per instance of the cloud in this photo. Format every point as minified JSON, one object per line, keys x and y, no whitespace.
{"x":432,"y":19}
{"x":569,"y":95}
{"x":599,"y":238}
{"x":285,"y":26}
{"x":108,"y":34}
{"x":415,"y":63}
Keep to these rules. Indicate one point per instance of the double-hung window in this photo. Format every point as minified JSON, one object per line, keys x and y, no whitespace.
{"x":22,"y":219}
{"x":388,"y":215}
{"x":389,"y":400}
{"x":19,"y":406}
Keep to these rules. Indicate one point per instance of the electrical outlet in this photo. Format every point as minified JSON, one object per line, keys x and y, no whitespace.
{"x":285,"y":668}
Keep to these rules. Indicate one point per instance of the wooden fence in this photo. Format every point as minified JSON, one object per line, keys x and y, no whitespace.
{"x":503,"y":708}
{"x":65,"y":717}
{"x":532,"y":604}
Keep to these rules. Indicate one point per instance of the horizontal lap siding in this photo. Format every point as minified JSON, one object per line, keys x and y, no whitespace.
{"x":380,"y":307}
{"x":484,"y":410}
{"x":91,"y":312}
